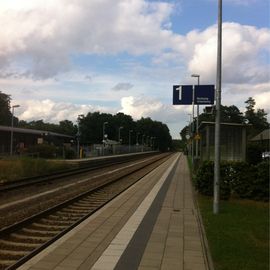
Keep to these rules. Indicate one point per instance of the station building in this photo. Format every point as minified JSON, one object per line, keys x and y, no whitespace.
{"x":24,"y":138}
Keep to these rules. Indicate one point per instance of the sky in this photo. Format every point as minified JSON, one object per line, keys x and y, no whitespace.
{"x":59,"y":59}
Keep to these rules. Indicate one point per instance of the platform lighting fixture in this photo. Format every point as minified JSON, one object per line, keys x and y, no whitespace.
{"x":119,"y":134}
{"x":103,"y":136}
{"x":80,"y":116}
{"x":197,"y":124}
{"x":12,"y":124}
{"x":129,"y":139}
{"x":143,"y":141}
{"x":217,"y":122}
{"x":137,"y":138}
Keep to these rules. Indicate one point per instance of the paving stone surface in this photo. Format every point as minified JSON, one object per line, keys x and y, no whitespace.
{"x":175,"y":241}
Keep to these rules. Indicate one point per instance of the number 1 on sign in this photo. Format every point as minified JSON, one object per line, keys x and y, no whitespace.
{"x":180,"y":92}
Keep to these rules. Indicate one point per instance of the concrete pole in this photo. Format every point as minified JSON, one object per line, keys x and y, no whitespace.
{"x":217,"y":123}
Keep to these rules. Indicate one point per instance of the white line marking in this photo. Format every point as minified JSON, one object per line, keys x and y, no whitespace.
{"x":112,"y":254}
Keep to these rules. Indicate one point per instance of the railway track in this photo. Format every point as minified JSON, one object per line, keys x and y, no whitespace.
{"x":21,"y":241}
{"x":84,"y":167}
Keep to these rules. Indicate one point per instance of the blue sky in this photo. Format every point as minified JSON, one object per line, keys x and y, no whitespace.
{"x":59,"y":59}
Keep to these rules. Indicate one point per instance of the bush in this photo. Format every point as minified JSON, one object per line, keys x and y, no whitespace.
{"x":43,"y":150}
{"x":254,"y":153}
{"x":261,"y":181}
{"x":204,"y":180}
{"x":236,"y":178}
{"x":70,"y":153}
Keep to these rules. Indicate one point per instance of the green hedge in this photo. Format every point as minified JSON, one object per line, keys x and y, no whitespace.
{"x":236,"y":178}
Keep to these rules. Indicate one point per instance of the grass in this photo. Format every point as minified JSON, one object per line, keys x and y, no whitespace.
{"x":16,"y":168}
{"x":239,"y":235}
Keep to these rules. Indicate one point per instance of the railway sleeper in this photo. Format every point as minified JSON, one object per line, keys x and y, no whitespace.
{"x":59,"y":218}
{"x":6,"y":262}
{"x":35,"y":239}
{"x":35,"y":232}
{"x":83,"y":204}
{"x":16,"y":254}
{"x":28,"y":246}
{"x":72,"y":212}
{"x":54,"y":227}
{"x":80,"y":208}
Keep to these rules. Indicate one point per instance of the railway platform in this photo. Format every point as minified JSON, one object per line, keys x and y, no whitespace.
{"x":153,"y":225}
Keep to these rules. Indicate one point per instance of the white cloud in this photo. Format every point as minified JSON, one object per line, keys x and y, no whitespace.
{"x":242,"y":49}
{"x":45,"y":34}
{"x":53,"y":112}
{"x":39,"y":38}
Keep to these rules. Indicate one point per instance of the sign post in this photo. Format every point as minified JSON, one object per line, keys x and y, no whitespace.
{"x":190,"y":95}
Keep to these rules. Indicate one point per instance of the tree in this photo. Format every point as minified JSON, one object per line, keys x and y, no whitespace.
{"x":67,"y":127}
{"x":228,"y":114}
{"x":257,"y":119}
{"x":157,"y":130}
{"x":5,"y":114}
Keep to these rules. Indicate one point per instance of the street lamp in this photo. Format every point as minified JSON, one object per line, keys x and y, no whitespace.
{"x":80,"y":116}
{"x":129,"y":139}
{"x":197,"y":125}
{"x":143,"y":141}
{"x":11,"y":135}
{"x":103,"y":136}
{"x":119,"y":134}
{"x":217,"y":122}
{"x":191,"y":150}
{"x":137,"y":138}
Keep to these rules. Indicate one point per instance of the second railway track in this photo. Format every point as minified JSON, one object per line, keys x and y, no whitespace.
{"x":23,"y":240}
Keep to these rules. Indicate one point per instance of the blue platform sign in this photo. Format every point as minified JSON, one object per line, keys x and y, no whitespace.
{"x":204,"y":94}
{"x":182,"y":94}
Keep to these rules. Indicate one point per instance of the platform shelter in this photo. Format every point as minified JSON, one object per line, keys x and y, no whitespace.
{"x":233,"y":141}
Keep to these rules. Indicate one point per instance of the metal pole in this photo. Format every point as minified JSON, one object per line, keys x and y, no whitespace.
{"x":119,"y":134}
{"x":78,"y":135}
{"x":103,"y":136}
{"x":129,"y":140}
{"x":78,"y":142}
{"x":12,"y":125}
{"x":197,"y":127}
{"x":217,"y":123}
{"x":192,"y":153}
{"x":197,"y":122}
{"x":11,"y":138}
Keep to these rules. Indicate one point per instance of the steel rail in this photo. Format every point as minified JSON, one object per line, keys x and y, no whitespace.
{"x":60,"y":207}
{"x":91,"y":165}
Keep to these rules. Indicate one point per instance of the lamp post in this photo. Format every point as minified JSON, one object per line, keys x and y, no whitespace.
{"x":11,"y":134}
{"x":151,"y":142}
{"x":129,"y":139}
{"x":197,"y":124}
{"x":191,"y":138}
{"x":78,"y":135}
{"x":119,"y":134}
{"x":218,"y":104}
{"x":143,"y":141}
{"x":137,"y":138}
{"x":103,"y":136}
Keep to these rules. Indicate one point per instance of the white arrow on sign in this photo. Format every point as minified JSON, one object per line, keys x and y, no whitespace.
{"x":180,"y":92}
